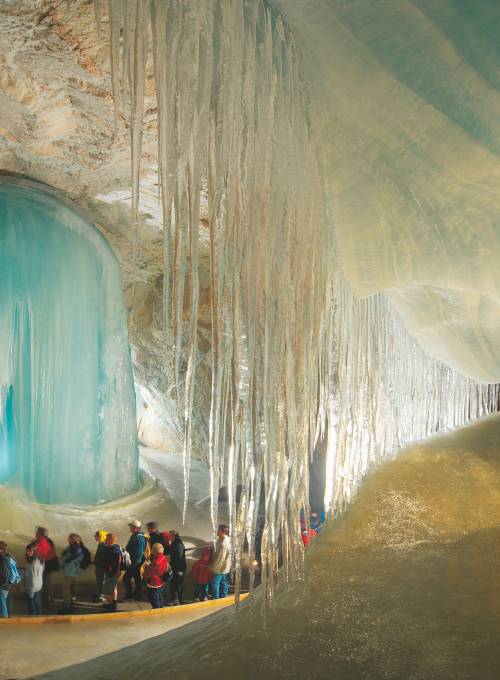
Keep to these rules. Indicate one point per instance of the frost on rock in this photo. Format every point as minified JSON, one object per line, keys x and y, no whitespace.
{"x":295,"y":357}
{"x":67,"y":406}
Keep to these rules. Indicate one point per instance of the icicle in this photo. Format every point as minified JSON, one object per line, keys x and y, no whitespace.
{"x":115,"y":27}
{"x":295,"y":357}
{"x":137,"y":78}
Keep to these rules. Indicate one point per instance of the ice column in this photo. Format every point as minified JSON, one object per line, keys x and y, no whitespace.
{"x":67,"y":407}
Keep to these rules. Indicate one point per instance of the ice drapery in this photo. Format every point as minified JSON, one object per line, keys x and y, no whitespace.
{"x":67,"y":408}
{"x":293,"y":353}
{"x":382,"y":391}
{"x":406,"y":101}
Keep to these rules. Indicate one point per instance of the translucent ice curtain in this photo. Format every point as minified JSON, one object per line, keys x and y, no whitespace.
{"x":67,"y":405}
{"x":292,"y":354}
{"x":382,"y":391}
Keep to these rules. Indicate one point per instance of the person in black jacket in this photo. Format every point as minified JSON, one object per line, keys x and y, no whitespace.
{"x":157,"y":536}
{"x":100,"y":537}
{"x":110,"y":559}
{"x":178,"y":566}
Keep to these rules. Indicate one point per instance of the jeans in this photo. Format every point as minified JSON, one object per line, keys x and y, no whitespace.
{"x":99,"y":580}
{"x":156,"y":597}
{"x":219,"y":586}
{"x":201,"y":590}
{"x":4,"y":612}
{"x":135,"y":574}
{"x":48,"y":588}
{"x":69,"y":590}
{"x":35,"y":604}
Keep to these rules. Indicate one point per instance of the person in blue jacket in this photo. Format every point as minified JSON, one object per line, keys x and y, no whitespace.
{"x":9,"y":576}
{"x":135,"y":547}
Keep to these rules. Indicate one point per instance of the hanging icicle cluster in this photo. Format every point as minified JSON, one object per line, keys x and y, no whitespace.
{"x":383,"y":392}
{"x":295,"y":357}
{"x":232,"y":115}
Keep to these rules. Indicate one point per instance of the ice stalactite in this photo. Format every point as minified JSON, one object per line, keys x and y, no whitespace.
{"x":232,"y":113}
{"x":384,"y":392}
{"x":67,"y":404}
{"x":292,"y":352}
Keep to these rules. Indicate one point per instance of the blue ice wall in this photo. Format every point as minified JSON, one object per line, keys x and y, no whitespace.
{"x":67,"y":403}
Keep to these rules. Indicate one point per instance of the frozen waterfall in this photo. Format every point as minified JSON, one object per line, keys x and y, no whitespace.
{"x":67,"y":406}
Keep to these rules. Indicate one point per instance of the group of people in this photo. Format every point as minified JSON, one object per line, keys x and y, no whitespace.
{"x":148,"y":563}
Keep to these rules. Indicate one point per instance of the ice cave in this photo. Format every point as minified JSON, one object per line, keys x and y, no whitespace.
{"x":249,"y":277}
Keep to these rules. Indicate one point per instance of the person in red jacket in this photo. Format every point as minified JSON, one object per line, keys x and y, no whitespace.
{"x":202,"y":575}
{"x":153,"y":575}
{"x":307,"y":536}
{"x":46,"y":552}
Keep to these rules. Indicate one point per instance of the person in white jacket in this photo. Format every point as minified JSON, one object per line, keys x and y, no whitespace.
{"x":221,"y":563}
{"x":33,"y":580}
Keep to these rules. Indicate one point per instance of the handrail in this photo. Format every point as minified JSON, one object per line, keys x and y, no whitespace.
{"x":58,"y":619}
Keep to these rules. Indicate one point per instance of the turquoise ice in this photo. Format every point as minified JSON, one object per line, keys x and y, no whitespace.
{"x":67,"y":405}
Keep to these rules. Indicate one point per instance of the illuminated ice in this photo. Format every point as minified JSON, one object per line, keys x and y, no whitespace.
{"x":295,"y":354}
{"x":67,"y":406}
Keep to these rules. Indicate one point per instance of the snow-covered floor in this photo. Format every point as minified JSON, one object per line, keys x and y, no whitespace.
{"x":161,"y":499}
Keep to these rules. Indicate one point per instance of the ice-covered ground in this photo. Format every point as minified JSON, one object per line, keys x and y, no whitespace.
{"x":404,"y":586}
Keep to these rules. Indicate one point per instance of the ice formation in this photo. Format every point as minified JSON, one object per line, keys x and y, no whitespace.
{"x":295,"y":356}
{"x":67,"y":406}
{"x":383,"y":392}
{"x":405,"y":98}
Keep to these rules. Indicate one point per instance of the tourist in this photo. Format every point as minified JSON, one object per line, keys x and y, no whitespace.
{"x":100,"y":537}
{"x":136,"y":547}
{"x":111,"y":560}
{"x":307,"y":535}
{"x":71,"y":558}
{"x":33,"y":580}
{"x":157,"y":536}
{"x":46,"y":552}
{"x":316,"y":522}
{"x":202,"y":575}
{"x":154,"y":576}
{"x":178,"y":566}
{"x":221,"y":564}
{"x":9,"y":576}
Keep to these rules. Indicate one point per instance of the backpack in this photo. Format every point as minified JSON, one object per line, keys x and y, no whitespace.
{"x":125,"y":562}
{"x":168,"y":575}
{"x":86,"y":559}
{"x":9,"y":573}
{"x":4,"y":572}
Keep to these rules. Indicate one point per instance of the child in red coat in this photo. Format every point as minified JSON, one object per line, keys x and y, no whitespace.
{"x":202,"y":575}
{"x":153,"y":575}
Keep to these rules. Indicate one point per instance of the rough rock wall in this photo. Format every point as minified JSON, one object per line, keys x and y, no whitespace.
{"x":57,"y":124}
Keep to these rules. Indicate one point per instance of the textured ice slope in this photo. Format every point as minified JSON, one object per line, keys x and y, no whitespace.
{"x":406,"y":103}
